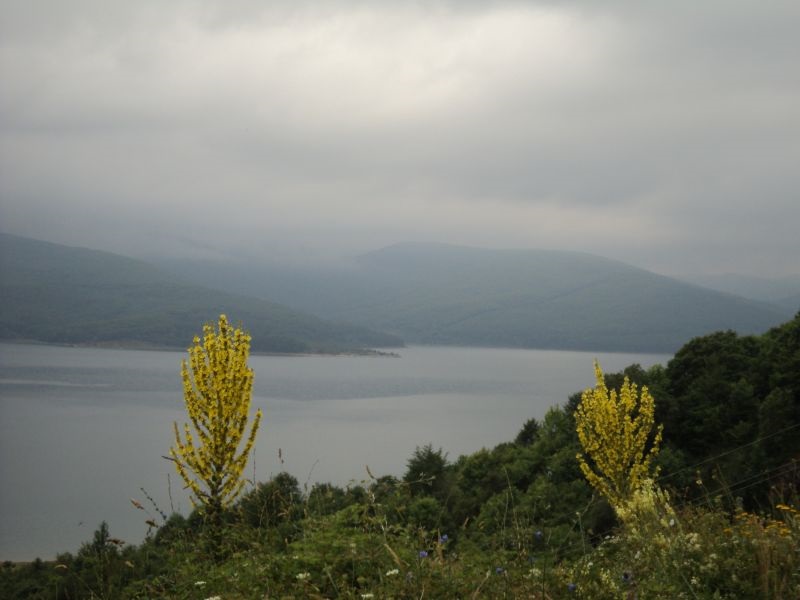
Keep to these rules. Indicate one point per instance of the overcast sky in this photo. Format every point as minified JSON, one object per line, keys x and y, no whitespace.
{"x":663,"y":134}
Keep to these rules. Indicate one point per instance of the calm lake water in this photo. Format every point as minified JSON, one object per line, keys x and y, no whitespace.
{"x":83,"y":429}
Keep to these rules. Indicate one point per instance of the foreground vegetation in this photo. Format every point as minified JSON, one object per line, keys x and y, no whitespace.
{"x":721,"y":520}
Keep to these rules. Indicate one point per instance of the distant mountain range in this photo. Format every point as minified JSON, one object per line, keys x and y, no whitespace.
{"x":783,"y":292}
{"x":60,"y":294}
{"x":441,"y":294}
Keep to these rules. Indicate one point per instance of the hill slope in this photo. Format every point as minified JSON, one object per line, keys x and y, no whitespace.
{"x":779,"y":291}
{"x":61,"y":294}
{"x":440,"y":294}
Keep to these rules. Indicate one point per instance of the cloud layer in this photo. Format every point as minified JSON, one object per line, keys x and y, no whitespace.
{"x":666,"y":136}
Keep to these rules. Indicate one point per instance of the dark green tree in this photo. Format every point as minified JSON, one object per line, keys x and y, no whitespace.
{"x":427,"y":473}
{"x":528,"y":434}
{"x":272,"y":503}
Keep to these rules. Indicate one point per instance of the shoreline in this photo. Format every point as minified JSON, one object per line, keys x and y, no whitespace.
{"x":145,"y":346}
{"x":388,"y":351}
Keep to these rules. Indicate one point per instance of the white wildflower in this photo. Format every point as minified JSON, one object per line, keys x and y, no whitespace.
{"x":533,"y":573}
{"x":199,"y":583}
{"x":393,"y":572}
{"x":302,"y":576}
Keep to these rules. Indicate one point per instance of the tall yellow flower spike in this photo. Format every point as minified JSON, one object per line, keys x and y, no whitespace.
{"x":217,"y":386}
{"x":614,"y":430}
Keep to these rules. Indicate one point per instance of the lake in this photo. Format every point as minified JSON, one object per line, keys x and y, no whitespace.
{"x":82,"y":430}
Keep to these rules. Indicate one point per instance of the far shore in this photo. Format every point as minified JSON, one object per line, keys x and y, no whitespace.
{"x":137,"y":345}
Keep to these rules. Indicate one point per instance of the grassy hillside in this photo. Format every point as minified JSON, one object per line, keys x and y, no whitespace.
{"x":439,"y":294}
{"x":59,"y":294}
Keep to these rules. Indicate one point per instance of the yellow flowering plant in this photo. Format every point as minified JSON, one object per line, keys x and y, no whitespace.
{"x":614,"y":430}
{"x":217,"y":387}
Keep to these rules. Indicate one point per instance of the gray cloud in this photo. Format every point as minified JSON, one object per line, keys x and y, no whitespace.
{"x":665,"y":135}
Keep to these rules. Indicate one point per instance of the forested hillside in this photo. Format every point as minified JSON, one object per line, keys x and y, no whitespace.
{"x":452,"y":295}
{"x":60,"y":294}
{"x":781,"y":291}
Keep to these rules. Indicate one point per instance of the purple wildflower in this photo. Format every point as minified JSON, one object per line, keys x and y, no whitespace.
{"x":626,"y":577}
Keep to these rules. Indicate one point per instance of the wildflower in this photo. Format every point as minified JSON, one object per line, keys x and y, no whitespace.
{"x":367,"y":595}
{"x":443,"y":539}
{"x":571,"y":587}
{"x":614,"y":429}
{"x":538,"y":535}
{"x":217,"y":389}
{"x":199,"y":583}
{"x":423,"y":554}
{"x":693,"y":541}
{"x":302,"y":576}
{"x":393,"y":572}
{"x":214,"y":598}
{"x":499,"y":570}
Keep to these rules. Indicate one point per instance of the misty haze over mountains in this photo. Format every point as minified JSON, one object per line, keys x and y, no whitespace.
{"x":239,"y":133}
{"x":418,"y":293}
{"x":444,"y":294}
{"x":60,"y":294}
{"x":781,"y":291}
{"x":663,"y":134}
